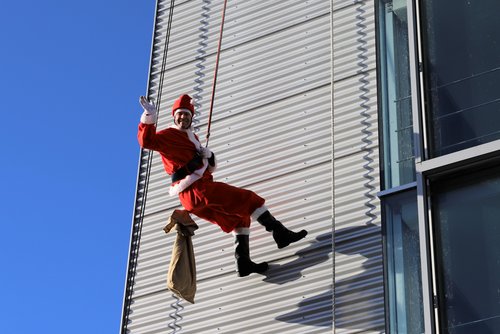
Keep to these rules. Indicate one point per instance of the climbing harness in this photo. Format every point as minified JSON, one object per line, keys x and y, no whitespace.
{"x":214,"y":83}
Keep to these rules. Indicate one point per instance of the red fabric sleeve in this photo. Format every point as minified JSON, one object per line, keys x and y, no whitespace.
{"x":147,"y":136}
{"x":173,"y":145}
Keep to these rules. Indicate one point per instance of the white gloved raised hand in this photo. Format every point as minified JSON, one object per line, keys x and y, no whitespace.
{"x":205,"y":152}
{"x":148,"y":106}
{"x":150,"y":114}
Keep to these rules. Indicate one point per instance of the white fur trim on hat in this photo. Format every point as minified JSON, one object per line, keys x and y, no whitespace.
{"x":184,"y":110}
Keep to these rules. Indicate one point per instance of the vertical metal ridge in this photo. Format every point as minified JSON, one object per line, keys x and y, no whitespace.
{"x":175,"y":315}
{"x":365,"y":114}
{"x":358,"y":287}
{"x":201,"y":58}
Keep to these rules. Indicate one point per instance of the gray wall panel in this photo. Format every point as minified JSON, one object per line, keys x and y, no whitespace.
{"x":359,"y":293}
{"x":354,"y":27}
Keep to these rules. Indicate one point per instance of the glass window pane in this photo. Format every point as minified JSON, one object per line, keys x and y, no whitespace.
{"x":466,"y":214}
{"x":394,"y":94}
{"x":462,"y":73}
{"x":404,"y":289}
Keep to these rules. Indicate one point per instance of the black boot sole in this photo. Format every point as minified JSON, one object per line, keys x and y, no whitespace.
{"x":263,"y":268}
{"x":299,"y":236}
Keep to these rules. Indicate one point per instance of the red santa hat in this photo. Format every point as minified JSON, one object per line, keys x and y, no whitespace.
{"x":183,"y":102}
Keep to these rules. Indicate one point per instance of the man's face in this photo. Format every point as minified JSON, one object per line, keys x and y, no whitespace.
{"x":183,"y":119}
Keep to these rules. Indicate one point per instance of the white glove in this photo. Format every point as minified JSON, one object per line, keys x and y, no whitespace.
{"x":148,"y":106}
{"x":150,"y":114}
{"x":205,"y":152}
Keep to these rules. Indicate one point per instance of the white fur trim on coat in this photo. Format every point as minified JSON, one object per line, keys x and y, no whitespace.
{"x":188,"y":180}
{"x":148,"y":118}
{"x":197,"y":174}
{"x":211,"y":168}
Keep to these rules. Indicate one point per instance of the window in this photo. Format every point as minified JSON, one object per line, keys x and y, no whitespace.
{"x":395,"y":98}
{"x":452,"y":49}
{"x":467,"y":227}
{"x":403,"y":275}
{"x":400,"y":220}
{"x":462,"y":73}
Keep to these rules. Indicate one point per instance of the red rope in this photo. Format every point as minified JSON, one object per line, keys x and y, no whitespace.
{"x":216,"y":70}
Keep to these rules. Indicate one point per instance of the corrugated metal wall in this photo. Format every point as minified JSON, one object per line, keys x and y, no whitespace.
{"x":272,"y":133}
{"x":359,"y":295}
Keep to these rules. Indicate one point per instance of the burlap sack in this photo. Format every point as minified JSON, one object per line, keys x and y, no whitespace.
{"x":181,"y":277}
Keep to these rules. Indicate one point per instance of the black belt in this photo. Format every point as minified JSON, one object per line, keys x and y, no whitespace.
{"x":188,"y":168}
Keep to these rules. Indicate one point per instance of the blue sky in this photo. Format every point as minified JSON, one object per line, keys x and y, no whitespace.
{"x":70,"y":77}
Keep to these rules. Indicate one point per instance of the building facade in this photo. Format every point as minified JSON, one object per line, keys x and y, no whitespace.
{"x":374,"y":125}
{"x":439,"y":107}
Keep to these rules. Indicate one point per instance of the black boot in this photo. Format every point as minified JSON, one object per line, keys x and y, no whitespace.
{"x":244,"y":265}
{"x":281,"y":234}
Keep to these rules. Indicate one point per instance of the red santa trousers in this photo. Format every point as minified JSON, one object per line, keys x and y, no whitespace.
{"x":220,"y":203}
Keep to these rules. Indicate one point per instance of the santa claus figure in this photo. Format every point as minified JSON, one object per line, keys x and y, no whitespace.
{"x":190,"y":166}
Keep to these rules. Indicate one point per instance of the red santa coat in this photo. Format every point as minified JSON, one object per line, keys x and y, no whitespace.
{"x":227,"y":206}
